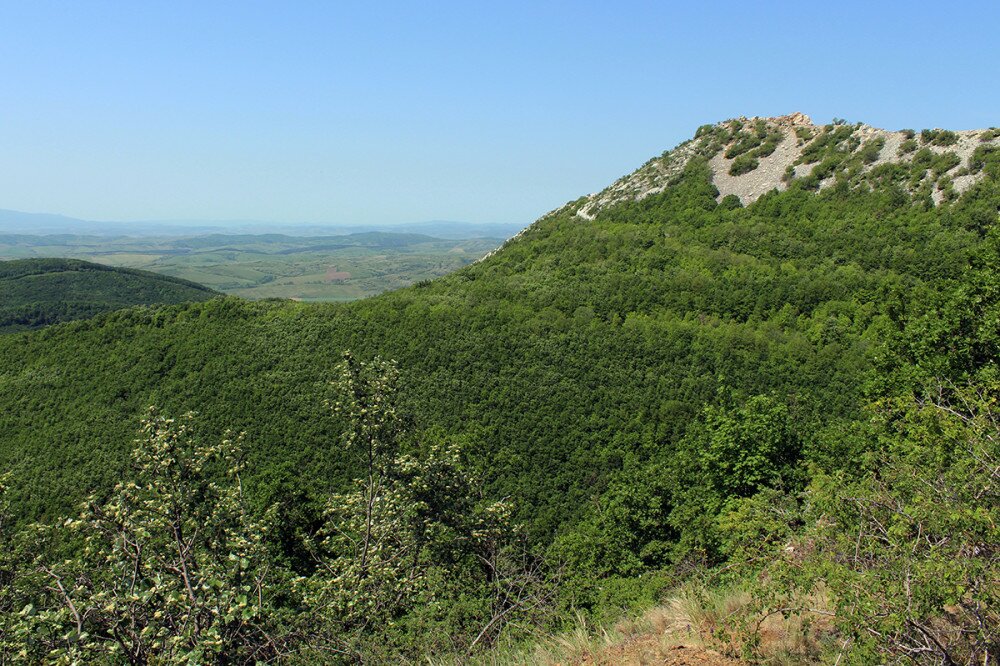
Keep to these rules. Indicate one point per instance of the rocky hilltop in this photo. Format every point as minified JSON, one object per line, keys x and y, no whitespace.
{"x":752,"y":156}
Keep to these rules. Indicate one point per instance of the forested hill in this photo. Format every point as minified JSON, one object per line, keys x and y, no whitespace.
{"x":580,"y":349}
{"x":39,"y":292}
{"x":630,"y":372}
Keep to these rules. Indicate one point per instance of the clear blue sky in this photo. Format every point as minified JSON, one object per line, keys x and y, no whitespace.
{"x":368,"y":112}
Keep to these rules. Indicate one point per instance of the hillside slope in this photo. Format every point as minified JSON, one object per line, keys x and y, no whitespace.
{"x":39,"y":292}
{"x":749,"y":157}
{"x":582,"y":349}
{"x":791,"y":400}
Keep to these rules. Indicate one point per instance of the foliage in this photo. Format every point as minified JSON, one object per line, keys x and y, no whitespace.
{"x":985,"y":157}
{"x":175,"y":568}
{"x":627,"y":534}
{"x":170,"y":569}
{"x":732,"y":454}
{"x":871,"y":150}
{"x":938,"y":137}
{"x":905,"y":545}
{"x":749,"y":144}
{"x":13,"y":569}
{"x":730,"y":202}
{"x":909,"y":551}
{"x":743,"y":164}
{"x":39,"y":292}
{"x":805,"y":133}
{"x":944,"y":162}
{"x":674,"y":385}
{"x":415,"y":530}
{"x":747,"y":449}
{"x":833,"y":139}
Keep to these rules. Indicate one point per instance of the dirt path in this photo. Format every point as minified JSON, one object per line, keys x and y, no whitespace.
{"x":647,"y":652}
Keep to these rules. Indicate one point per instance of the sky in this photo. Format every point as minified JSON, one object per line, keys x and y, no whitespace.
{"x":343,"y":112}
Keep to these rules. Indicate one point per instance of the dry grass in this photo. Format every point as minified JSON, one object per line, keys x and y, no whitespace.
{"x":695,"y":626}
{"x":726,"y":620}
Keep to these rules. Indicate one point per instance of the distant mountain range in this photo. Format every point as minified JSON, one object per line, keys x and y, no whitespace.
{"x":18,"y":222}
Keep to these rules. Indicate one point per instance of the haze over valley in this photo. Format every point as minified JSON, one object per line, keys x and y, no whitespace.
{"x":258,"y":259}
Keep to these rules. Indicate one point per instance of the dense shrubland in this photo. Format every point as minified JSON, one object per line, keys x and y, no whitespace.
{"x":175,"y":567}
{"x":39,"y":292}
{"x":794,"y":398}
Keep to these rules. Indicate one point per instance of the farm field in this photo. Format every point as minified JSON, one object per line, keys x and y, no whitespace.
{"x":258,"y":266}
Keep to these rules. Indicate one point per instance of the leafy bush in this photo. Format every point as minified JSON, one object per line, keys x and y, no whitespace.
{"x":910,"y":553}
{"x":730,"y":202}
{"x":743,"y":144}
{"x":990,"y":134}
{"x":944,"y":163}
{"x":924,"y":158}
{"x":174,"y":568}
{"x":414,"y":528}
{"x":743,"y":164}
{"x":985,"y":157}
{"x":748,"y":448}
{"x":871,"y":150}
{"x":938,"y":137}
{"x":760,"y":141}
{"x":830,"y":140}
{"x":704,"y":130}
{"x":171,"y":568}
{"x":907,"y":146}
{"x":731,"y":454}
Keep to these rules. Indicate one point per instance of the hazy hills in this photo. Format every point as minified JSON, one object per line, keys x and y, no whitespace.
{"x":18,"y":222}
{"x":330,"y":268}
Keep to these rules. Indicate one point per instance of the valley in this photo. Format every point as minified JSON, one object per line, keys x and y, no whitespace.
{"x":257,"y":266}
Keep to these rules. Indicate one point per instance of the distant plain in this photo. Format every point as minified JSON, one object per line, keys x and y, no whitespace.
{"x":256,"y":266}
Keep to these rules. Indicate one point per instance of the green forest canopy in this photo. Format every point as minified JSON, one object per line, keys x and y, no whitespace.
{"x":623,"y":381}
{"x":39,"y":292}
{"x":580,"y":349}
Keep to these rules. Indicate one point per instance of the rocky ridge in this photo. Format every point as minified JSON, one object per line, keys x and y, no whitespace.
{"x":752,"y":156}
